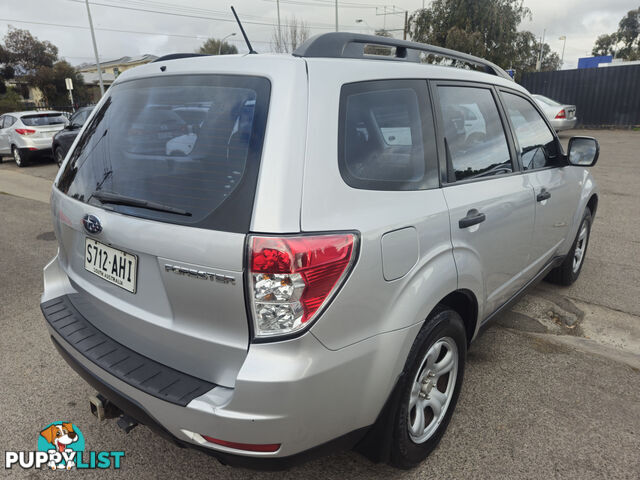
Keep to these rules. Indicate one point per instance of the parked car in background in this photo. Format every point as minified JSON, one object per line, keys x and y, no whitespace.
{"x":63,"y":140}
{"x":561,"y":117}
{"x":26,"y":134}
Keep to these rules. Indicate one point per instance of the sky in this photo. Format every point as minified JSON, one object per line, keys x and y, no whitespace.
{"x":133,"y":27}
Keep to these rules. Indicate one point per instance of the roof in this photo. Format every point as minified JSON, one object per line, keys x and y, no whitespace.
{"x":91,"y":78}
{"x":147,"y":57}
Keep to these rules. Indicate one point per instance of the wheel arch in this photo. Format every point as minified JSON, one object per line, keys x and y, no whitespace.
{"x":593,"y":204}
{"x":465,"y":304}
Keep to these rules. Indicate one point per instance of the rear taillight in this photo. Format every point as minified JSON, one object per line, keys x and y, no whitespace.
{"x":561,"y":114}
{"x":291,"y":278}
{"x":25,"y":131}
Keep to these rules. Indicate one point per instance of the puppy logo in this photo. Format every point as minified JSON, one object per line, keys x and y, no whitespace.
{"x":62,"y":440}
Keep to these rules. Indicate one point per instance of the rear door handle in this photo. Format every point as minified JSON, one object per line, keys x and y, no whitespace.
{"x":473,"y":218}
{"x":543,"y":195}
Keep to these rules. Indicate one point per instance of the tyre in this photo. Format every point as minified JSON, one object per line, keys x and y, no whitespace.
{"x":58,"y":156}
{"x":569,"y":271}
{"x":428,"y":388}
{"x":18,"y":157}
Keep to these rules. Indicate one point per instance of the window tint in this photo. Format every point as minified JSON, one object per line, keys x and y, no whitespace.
{"x":190,"y":143}
{"x":387,"y":138}
{"x":475,"y":139}
{"x":537,"y":145}
{"x":43,"y":119}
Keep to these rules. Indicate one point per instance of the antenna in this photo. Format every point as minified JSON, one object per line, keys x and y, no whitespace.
{"x":244,"y":34}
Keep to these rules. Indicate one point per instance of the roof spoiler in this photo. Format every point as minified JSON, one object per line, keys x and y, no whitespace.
{"x":352,"y":45}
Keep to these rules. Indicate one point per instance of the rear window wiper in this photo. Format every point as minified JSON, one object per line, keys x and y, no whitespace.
{"x":118,"y":199}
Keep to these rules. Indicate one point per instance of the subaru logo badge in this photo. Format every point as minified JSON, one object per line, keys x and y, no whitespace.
{"x":91,"y":224}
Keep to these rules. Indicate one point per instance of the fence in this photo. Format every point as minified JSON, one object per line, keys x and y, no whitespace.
{"x":605,"y":96}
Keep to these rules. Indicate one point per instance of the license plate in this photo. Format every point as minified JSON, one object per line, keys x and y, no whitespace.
{"x":111,"y":264}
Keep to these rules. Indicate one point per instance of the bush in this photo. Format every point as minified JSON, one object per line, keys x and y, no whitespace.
{"x":10,"y":102}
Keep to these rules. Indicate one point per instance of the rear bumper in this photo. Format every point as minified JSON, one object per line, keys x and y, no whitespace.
{"x":32,"y":144}
{"x":296,"y":393}
{"x":560,"y":124}
{"x":136,"y":411}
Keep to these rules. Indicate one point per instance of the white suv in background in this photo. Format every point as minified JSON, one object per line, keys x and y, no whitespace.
{"x":25,"y":134}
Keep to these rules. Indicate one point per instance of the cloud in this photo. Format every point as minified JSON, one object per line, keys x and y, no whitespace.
{"x":580,"y":21}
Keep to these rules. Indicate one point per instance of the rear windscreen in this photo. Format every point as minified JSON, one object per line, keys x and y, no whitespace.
{"x":43,"y":119}
{"x":189,"y":146}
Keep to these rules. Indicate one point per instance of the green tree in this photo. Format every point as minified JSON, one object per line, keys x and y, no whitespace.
{"x":25,"y":53}
{"x":51,"y":82}
{"x":485,"y":28}
{"x":623,"y":43}
{"x":213,"y":46}
{"x":605,"y":45}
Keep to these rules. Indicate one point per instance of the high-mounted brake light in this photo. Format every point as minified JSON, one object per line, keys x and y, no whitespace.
{"x":249,"y":447}
{"x":291,"y":278}
{"x":561,"y":114}
{"x":25,"y":131}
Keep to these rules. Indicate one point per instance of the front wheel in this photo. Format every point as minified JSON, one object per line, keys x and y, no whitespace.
{"x":569,"y":271}
{"x":429,"y":388}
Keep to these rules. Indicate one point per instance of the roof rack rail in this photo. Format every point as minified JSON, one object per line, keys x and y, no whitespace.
{"x":175,"y":56}
{"x":351,"y":45}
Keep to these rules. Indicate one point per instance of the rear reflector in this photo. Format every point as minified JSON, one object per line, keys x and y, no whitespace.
{"x":25,"y":131}
{"x":291,"y":278}
{"x":248,"y":447}
{"x":561,"y":114}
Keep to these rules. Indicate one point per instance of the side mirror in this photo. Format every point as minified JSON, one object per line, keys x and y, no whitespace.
{"x":583,"y":151}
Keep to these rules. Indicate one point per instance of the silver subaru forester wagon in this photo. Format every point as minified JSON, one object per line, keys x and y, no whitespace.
{"x":268,"y":256}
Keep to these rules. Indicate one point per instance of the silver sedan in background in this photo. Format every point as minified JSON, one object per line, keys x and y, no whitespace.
{"x":26,"y":134}
{"x":561,"y":117}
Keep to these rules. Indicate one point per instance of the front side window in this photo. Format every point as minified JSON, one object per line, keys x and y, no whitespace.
{"x":538,"y":147}
{"x":178,"y":149}
{"x":386,"y":136}
{"x":475,"y":141}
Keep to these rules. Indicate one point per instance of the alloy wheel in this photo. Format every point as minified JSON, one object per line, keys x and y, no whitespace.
{"x":432,"y":389}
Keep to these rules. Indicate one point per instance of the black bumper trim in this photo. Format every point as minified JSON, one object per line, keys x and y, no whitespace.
{"x":136,"y":411}
{"x":140,"y":372}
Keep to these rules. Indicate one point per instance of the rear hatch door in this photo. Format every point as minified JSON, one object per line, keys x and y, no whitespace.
{"x":152,"y":212}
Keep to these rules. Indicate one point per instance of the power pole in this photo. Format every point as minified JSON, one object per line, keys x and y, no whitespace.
{"x":539,"y":65}
{"x":279,"y":26}
{"x":95,"y":48}
{"x":406,"y":23}
{"x":336,"y":15}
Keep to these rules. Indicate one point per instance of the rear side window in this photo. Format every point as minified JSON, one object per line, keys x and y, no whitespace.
{"x":538,"y":146}
{"x":189,"y":145}
{"x":7,"y":121}
{"x":43,"y":119}
{"x":475,"y":140}
{"x":386,"y":136}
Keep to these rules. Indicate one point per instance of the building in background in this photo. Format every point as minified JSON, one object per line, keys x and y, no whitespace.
{"x":593,"y":62}
{"x":110,"y":71}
